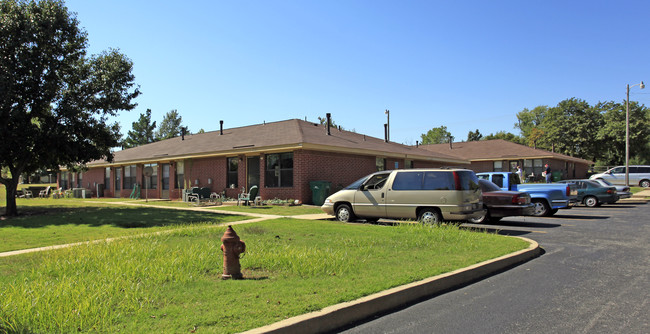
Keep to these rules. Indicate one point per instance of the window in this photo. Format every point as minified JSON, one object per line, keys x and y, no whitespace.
{"x":279,"y":170}
{"x":538,"y":167}
{"x":408,"y":181}
{"x":80,"y":180}
{"x":233,"y":167}
{"x":408,"y":164}
{"x":381,"y":164}
{"x":129,"y":177}
{"x":180,"y":175}
{"x":377,"y":181}
{"x":165,"y":176}
{"x":438,"y":181}
{"x":63,"y":182}
{"x":528,"y":167}
{"x":498,"y":180}
{"x":618,"y":170}
{"x":107,"y":178}
{"x":118,"y":179}
{"x":498,"y":166}
{"x":151,"y":182}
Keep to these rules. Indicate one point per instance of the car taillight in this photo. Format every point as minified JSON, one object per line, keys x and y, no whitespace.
{"x":516,"y":199}
{"x":568,"y":190}
{"x":457,"y":181}
{"x":610,"y":191}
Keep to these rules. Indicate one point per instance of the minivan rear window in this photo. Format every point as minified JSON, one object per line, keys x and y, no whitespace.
{"x":468,"y":180}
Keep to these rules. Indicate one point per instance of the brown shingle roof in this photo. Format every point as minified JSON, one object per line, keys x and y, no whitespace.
{"x":269,"y":137}
{"x":496,"y":149}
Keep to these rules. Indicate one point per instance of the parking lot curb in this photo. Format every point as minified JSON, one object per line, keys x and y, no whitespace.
{"x":340,"y":315}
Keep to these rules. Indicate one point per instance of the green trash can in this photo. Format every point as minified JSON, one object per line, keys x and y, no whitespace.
{"x":319,"y":191}
{"x":556,"y":176}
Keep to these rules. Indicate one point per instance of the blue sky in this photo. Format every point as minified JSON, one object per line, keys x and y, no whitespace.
{"x":466,"y":65}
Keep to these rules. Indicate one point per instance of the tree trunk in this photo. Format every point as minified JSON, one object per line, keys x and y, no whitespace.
{"x":11,"y":209}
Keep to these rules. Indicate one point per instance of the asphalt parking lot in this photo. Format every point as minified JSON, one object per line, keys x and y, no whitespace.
{"x":593,"y":277}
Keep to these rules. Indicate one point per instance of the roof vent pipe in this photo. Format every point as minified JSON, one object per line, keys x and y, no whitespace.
{"x":417,"y":143}
{"x":329,"y":122}
{"x":386,"y":132}
{"x":183,"y":129}
{"x":221,"y":128}
{"x":450,"y":145}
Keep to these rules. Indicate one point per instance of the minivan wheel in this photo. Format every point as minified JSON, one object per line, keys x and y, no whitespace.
{"x":644,"y":183}
{"x":344,"y":213}
{"x":541,"y":208}
{"x":429,"y":217}
{"x":590,"y":201}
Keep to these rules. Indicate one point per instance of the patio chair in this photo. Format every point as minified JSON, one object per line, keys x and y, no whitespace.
{"x":247,"y":197}
{"x":28,"y":193}
{"x":45,"y":193}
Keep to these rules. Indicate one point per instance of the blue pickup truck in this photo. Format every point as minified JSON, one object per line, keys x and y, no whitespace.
{"x":547,"y":197}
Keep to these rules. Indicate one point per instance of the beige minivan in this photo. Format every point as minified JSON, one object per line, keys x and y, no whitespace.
{"x":428,"y":195}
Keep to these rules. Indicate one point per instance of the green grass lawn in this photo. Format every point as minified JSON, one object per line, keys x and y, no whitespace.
{"x":46,"y":222}
{"x":172,"y":282}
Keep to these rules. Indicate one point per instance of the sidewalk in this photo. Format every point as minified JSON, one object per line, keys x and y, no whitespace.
{"x":642,"y":194}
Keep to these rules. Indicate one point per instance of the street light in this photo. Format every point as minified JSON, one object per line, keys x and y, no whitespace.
{"x":627,"y":133}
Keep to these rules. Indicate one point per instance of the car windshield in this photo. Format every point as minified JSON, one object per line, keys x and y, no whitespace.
{"x":356,"y":184}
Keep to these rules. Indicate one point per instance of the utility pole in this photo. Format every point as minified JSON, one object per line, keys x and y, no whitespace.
{"x":387,"y":125}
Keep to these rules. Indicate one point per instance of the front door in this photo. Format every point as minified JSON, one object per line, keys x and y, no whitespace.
{"x":165,"y":182}
{"x":253,"y":172}
{"x":118,"y":182}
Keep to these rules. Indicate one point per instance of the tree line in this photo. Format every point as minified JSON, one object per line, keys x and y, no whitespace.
{"x":144,"y":130}
{"x":574,"y":128}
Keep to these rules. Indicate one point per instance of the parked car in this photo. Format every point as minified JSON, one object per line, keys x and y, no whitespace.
{"x":638,"y":175}
{"x":429,"y":195}
{"x":591,"y":193}
{"x":501,"y":203}
{"x":621,"y":191}
{"x":547,"y":197}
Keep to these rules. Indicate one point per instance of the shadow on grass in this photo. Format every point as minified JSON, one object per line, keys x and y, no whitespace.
{"x":125,"y":217}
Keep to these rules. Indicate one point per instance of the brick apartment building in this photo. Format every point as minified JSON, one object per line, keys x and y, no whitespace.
{"x":499,"y":155}
{"x":281,"y":158}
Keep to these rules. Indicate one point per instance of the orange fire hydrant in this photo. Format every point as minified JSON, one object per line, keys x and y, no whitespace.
{"x":231,"y":247}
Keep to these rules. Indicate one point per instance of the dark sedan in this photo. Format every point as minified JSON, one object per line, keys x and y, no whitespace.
{"x":591,"y":193}
{"x":500,"y":203}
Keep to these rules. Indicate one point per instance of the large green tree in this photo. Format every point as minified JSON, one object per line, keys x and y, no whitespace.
{"x":571,"y":128}
{"x":529,"y":122}
{"x":55,"y":102}
{"x":612,"y":133}
{"x":170,"y":126}
{"x":142,"y":133}
{"x":437,"y":135}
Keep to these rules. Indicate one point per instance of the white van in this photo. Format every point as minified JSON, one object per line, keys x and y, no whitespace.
{"x":429,"y":195}
{"x":638,"y":175}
